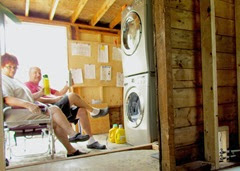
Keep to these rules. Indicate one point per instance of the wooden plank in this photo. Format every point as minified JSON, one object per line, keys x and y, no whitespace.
{"x":186,"y":20}
{"x":78,"y":10}
{"x":209,"y":77}
{"x":118,"y":18}
{"x":189,"y":153}
{"x":187,"y":135}
{"x":226,"y":77}
{"x":225,"y":44}
{"x":226,"y":61}
{"x":53,"y":9}
{"x":27,"y":5}
{"x":224,"y":9}
{"x":188,"y":97}
{"x":104,"y":8}
{"x":227,"y":95}
{"x":225,"y":27}
{"x":162,"y":36}
{"x":184,"y":39}
{"x":185,"y":5}
{"x":186,"y":58}
{"x":2,"y":51}
{"x":188,"y":116}
{"x":237,"y":28}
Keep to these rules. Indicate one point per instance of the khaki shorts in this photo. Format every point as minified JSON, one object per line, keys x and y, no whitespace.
{"x":14,"y":115}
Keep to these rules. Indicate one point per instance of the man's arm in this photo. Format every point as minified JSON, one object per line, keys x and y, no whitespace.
{"x":13,"y":101}
{"x":50,"y":100}
{"x":38,"y":94}
{"x":62,"y":91}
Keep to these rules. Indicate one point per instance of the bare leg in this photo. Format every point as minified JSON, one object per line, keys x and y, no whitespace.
{"x":60,"y":120}
{"x":76,"y":100}
{"x":62,"y":137}
{"x":82,"y":115}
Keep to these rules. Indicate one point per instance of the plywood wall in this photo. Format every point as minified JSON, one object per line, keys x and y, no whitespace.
{"x":95,"y":89}
{"x":187,"y":74}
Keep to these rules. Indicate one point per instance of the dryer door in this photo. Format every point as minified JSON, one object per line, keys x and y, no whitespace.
{"x":134,"y":107}
{"x":131,"y":33}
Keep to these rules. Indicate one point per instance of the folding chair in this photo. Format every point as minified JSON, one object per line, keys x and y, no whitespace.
{"x":30,"y":128}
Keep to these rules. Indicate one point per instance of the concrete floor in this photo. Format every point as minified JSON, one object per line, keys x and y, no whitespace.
{"x":127,"y":160}
{"x":139,"y":160}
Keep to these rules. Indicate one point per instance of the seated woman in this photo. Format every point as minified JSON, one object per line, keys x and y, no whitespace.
{"x":17,"y":94}
{"x":72,"y":105}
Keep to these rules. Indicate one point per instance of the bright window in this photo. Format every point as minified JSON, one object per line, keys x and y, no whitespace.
{"x":44,"y":46}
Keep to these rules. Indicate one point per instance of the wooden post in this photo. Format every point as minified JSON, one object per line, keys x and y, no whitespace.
{"x":209,"y":79}
{"x":237,"y":28}
{"x":2,"y":51}
{"x":165,"y":90}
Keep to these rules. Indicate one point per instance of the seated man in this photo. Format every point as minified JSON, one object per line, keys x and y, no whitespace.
{"x":72,"y":105}
{"x":16,"y":94}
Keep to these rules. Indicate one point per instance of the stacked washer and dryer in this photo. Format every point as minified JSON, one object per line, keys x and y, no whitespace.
{"x":140,"y":113}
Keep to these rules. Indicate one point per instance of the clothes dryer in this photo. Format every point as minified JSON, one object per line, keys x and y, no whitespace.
{"x":137,"y":38}
{"x":140,"y":115}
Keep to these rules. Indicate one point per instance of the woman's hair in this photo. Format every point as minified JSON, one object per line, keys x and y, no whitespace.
{"x":7,"y":58}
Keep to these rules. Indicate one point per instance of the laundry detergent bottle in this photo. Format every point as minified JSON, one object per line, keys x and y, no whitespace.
{"x":112,"y":132}
{"x":46,"y":85}
{"x":120,"y":137}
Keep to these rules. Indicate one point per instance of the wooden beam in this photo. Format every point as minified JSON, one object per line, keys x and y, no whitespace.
{"x":118,"y":18}
{"x":162,"y":23}
{"x":106,"y":5}
{"x":2,"y":51}
{"x":53,"y":9}
{"x":62,"y":23}
{"x":78,"y":10}
{"x":237,"y":29}
{"x":27,"y":5}
{"x":209,"y":81}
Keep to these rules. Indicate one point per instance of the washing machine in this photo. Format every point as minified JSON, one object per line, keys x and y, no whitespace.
{"x":140,"y":115}
{"x":137,"y":38}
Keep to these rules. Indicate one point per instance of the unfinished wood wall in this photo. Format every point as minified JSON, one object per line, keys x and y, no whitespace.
{"x":96,"y":89}
{"x":187,"y":75}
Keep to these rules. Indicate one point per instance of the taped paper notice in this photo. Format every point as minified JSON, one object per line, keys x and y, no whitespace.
{"x":116,"y":54}
{"x":89,"y":71}
{"x":103,"y":53}
{"x":119,"y":79}
{"x":81,"y":49}
{"x":105,"y":73}
{"x":77,"y":76}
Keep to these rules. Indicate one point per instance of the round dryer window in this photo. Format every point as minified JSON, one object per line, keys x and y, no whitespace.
{"x":131,"y":33}
{"x":134,"y":109}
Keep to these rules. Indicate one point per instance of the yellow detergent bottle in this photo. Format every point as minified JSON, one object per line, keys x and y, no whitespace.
{"x":112,"y":132}
{"x":46,"y":85}
{"x":120,"y":137}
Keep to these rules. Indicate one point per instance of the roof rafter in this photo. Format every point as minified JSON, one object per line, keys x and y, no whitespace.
{"x":53,"y":9}
{"x":118,"y":18}
{"x":27,"y":5}
{"x":106,"y":5}
{"x":78,"y":10}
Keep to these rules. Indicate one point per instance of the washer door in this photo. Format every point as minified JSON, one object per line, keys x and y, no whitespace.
{"x":131,"y":34}
{"x":134,"y":107}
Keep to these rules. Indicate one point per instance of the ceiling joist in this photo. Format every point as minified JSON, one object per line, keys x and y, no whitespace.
{"x":78,"y":10}
{"x":53,"y":9}
{"x":118,"y":18}
{"x":104,"y":8}
{"x":27,"y":5}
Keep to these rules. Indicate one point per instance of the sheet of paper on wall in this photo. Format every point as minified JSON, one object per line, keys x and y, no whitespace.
{"x":119,"y":79}
{"x":77,"y":76}
{"x":81,"y":49}
{"x":103,"y":53}
{"x":89,"y":71}
{"x":116,"y":54}
{"x":105,"y":73}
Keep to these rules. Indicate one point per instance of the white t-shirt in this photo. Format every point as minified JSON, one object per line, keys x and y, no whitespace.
{"x":14,"y":88}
